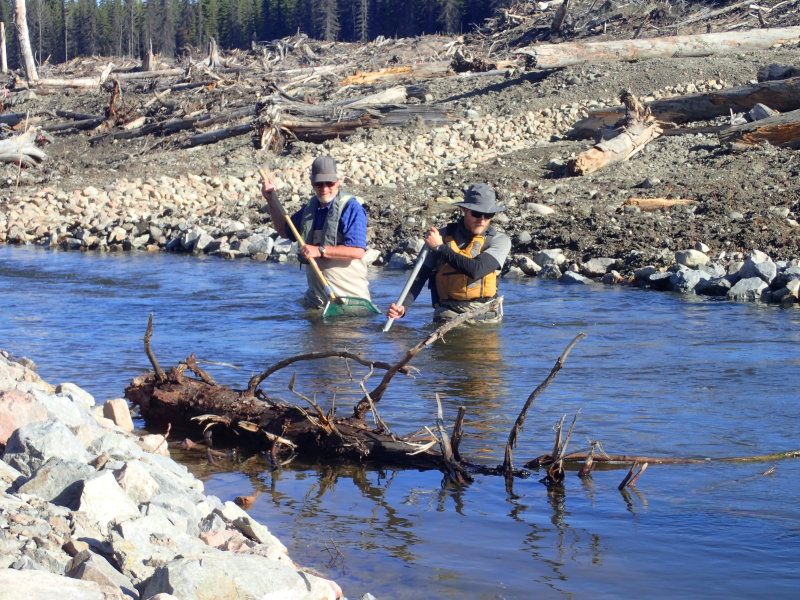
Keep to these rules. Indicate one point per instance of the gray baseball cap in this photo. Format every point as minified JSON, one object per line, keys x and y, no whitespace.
{"x":480,"y":197}
{"x":323,"y":169}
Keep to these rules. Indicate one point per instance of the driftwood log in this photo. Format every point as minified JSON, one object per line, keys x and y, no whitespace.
{"x":782,"y":95}
{"x":22,"y":150}
{"x":779,"y":130}
{"x":638,"y":129}
{"x":656,"y":203}
{"x":196,"y":405}
{"x":549,"y":56}
{"x":421,"y":71}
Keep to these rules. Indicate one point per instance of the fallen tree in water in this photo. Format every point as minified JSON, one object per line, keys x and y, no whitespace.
{"x":250,"y":419}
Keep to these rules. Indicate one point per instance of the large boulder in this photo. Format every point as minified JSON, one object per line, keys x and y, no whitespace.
{"x":41,"y":585}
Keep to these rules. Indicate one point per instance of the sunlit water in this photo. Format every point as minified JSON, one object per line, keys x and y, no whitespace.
{"x":656,"y":375}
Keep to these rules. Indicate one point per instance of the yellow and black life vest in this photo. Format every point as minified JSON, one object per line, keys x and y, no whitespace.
{"x":453,"y":285}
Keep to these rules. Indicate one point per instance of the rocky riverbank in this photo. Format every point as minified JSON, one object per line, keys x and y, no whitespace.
{"x":224,"y":216}
{"x":91,"y":510}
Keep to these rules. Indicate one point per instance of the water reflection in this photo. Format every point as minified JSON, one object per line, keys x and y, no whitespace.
{"x":630,"y":494}
{"x":471,"y":372}
{"x":319,"y":507}
{"x":332,"y":382}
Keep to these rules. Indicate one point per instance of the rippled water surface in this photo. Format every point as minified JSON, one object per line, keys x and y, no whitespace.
{"x":656,"y":375}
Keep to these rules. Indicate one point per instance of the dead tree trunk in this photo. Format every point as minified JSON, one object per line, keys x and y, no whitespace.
{"x":251,"y":420}
{"x":3,"y":54}
{"x":149,"y":60}
{"x":22,"y":150}
{"x":779,"y":130}
{"x":558,"y":20}
{"x":639,"y":129}
{"x":21,"y":23}
{"x":549,"y":56}
{"x":213,"y":60}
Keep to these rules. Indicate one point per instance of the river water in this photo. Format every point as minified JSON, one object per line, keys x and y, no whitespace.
{"x":657,"y":374}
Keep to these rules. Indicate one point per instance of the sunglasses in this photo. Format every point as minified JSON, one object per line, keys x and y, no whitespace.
{"x":324,"y":184}
{"x":482,"y":215}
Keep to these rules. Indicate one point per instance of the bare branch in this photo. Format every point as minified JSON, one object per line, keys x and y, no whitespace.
{"x":256,"y":380}
{"x":508,"y":462}
{"x":362,"y":407}
{"x":161,"y":377}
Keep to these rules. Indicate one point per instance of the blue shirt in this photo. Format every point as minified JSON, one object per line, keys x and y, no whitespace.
{"x":352,"y":223}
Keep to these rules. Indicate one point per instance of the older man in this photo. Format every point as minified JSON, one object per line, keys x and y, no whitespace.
{"x":333,"y":225}
{"x":465,"y":256}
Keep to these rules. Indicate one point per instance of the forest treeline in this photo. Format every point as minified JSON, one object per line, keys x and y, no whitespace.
{"x":61,"y":30}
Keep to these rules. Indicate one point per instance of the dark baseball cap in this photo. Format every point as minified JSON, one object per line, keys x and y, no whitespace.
{"x":323,"y":169}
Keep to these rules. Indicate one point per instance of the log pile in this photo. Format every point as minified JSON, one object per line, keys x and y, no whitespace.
{"x":331,"y":98}
{"x":781,"y":95}
{"x":297,"y":88}
{"x":771,"y":115}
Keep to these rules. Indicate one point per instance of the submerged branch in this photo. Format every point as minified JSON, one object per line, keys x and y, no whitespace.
{"x":627,"y":459}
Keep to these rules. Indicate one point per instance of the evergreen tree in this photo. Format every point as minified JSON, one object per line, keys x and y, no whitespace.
{"x":427,"y":18}
{"x":362,"y":14}
{"x":132,"y":28}
{"x":82,"y":22}
{"x":237,"y":23}
{"x":326,"y":19}
{"x":111,"y":23}
{"x":161,"y":26}
{"x":39,"y":25}
{"x":303,"y":17}
{"x":450,"y":16}
{"x":187,"y":29}
{"x":210,"y":13}
{"x":63,"y":29}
